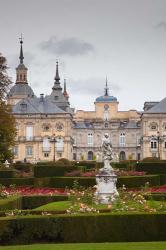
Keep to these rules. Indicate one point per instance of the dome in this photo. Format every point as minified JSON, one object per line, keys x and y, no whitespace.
{"x":21,"y":89}
{"x":21,"y":66}
{"x":106,"y":98}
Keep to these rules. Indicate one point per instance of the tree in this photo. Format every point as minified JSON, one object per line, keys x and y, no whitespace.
{"x":7,"y":120}
{"x":4,"y":79}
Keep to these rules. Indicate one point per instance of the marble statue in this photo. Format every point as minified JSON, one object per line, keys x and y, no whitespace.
{"x":106,"y":191}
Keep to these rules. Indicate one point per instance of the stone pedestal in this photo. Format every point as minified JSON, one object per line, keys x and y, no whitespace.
{"x":106,"y":191}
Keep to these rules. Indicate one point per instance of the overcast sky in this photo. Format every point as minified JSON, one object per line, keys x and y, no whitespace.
{"x":124,"y":40}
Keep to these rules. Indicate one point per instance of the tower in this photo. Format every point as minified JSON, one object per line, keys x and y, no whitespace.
{"x":21,"y":89}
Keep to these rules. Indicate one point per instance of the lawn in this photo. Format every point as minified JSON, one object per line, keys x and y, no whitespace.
{"x":92,"y":246}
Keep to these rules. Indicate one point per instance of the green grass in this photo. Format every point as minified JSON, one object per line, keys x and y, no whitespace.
{"x":92,"y":246}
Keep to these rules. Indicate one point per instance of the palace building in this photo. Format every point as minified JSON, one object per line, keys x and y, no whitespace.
{"x":49,"y":129}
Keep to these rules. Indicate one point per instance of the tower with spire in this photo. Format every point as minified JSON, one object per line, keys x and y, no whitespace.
{"x":21,"y":89}
{"x":21,"y":70}
{"x":58,"y":96}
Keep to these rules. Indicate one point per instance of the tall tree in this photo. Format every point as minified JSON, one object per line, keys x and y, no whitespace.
{"x":7,"y":121}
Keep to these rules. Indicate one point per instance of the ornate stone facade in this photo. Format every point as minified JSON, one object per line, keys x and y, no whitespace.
{"x":49,"y":129}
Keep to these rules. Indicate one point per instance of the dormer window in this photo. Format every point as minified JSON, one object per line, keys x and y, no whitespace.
{"x":153,"y":126}
{"x":23,"y":106}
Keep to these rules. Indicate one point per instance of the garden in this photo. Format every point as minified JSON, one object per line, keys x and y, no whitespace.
{"x":55,"y":203}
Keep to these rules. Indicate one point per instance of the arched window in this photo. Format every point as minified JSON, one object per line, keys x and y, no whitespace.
{"x":153,"y":143}
{"x":122,"y":139}
{"x":90,"y":139}
{"x":122,"y":156}
{"x":46,"y":144}
{"x":59,"y":144}
{"x":90,"y":155}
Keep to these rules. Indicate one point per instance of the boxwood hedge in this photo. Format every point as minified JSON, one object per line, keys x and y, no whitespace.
{"x":13,"y":202}
{"x":49,"y":171}
{"x":6,"y":173}
{"x":151,"y":167}
{"x":83,"y":228}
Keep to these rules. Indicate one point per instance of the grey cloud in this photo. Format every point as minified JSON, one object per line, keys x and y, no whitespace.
{"x":71,"y":46}
{"x":92,"y":86}
{"x":161,"y":25}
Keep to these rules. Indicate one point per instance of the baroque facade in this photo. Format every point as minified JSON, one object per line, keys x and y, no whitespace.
{"x":49,"y":129}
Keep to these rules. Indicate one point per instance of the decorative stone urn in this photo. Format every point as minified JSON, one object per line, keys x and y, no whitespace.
{"x":106,"y":191}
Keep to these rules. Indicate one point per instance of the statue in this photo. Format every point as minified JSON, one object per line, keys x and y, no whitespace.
{"x":7,"y":164}
{"x":106,"y":190}
{"x":107,"y":154}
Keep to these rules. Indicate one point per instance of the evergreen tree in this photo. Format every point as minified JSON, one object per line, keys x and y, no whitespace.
{"x":7,"y":121}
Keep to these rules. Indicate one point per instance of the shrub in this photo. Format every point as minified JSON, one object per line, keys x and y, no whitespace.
{"x":30,"y":202}
{"x":6,"y":173}
{"x":17,"y":181}
{"x":26,"y":167}
{"x":83,"y":228}
{"x":138,"y":181}
{"x":65,"y":162}
{"x":152,"y":167}
{"x":49,"y":171}
{"x":162,"y":179}
{"x":13,"y":202}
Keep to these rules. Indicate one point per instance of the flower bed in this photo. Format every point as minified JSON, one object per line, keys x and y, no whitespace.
{"x":161,"y":189}
{"x":33,"y":191}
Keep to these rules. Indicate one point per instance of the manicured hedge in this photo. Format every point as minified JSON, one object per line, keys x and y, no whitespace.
{"x":128,"y":181}
{"x":17,"y":181}
{"x":49,"y":171}
{"x":13,"y":202}
{"x":83,"y":228}
{"x":63,"y":182}
{"x":156,"y":196}
{"x":6,"y":173}
{"x":151,"y":167}
{"x":162,"y":179}
{"x":138,"y":181}
{"x":26,"y":167}
{"x":30,"y":202}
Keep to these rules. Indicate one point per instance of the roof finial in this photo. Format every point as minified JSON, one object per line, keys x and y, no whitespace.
{"x":64,"y":90}
{"x":106,"y":88}
{"x":57,"y":78}
{"x":21,"y":57}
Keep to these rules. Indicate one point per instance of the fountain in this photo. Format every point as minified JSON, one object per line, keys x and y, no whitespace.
{"x":106,"y":191}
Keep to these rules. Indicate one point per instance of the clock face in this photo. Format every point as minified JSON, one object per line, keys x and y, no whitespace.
{"x":59,"y":126}
{"x":106,"y":107}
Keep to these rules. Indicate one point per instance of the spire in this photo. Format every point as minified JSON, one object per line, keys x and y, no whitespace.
{"x":21,"y":57}
{"x":57,"y":78}
{"x":106,"y":88}
{"x":64,"y":90}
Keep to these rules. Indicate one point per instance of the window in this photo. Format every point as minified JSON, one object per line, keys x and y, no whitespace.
{"x":15,"y":150}
{"x":46,"y":155}
{"x":46,"y":144}
{"x":106,"y":125}
{"x":56,"y":98}
{"x":153,"y":126}
{"x":46,"y":128}
{"x":59,"y":144}
{"x":90,"y":139}
{"x":29,"y":133}
{"x":138,"y":140}
{"x":106,"y":112}
{"x":165,"y":144}
{"x":122,"y":156}
{"x":90,"y":155}
{"x":122,"y":139}
{"x":153,"y":144}
{"x":29,"y":151}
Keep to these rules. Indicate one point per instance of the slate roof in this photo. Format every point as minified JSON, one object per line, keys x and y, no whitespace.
{"x":21,"y":89}
{"x":83,"y":125}
{"x":36,"y":106}
{"x":106,"y":98}
{"x":158,"y":108}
